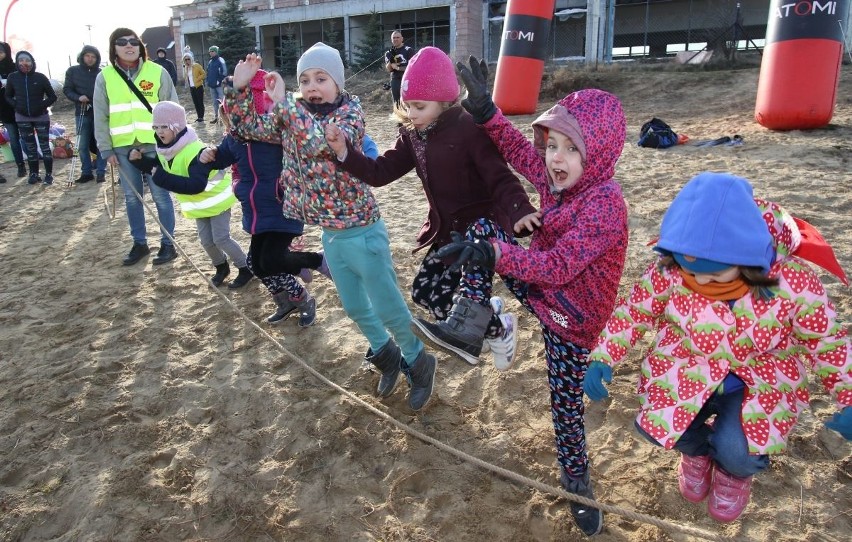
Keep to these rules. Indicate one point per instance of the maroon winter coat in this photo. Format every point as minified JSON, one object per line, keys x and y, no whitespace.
{"x":576,"y":258}
{"x":463,"y":175}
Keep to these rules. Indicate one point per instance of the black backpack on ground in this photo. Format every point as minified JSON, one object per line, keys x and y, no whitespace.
{"x":656,"y":134}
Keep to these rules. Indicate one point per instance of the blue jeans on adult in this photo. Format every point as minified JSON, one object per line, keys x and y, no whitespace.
{"x":132,"y":177}
{"x":15,"y":141}
{"x":725,"y":441}
{"x":86,"y":131}
{"x":217,"y":94}
{"x":360,"y":262}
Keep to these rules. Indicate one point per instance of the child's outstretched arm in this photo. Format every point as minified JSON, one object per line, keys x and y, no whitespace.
{"x":382,"y":170}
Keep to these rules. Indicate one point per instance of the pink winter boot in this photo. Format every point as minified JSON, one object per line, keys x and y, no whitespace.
{"x":694,"y":475}
{"x":729,"y":496}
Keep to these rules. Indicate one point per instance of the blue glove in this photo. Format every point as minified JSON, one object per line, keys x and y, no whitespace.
{"x":842,"y":423}
{"x":593,"y":385}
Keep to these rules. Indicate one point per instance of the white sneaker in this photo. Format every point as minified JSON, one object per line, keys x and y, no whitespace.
{"x":503,"y":348}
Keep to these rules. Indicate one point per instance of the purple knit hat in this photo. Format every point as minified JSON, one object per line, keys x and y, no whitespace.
{"x":430,"y":77}
{"x":170,"y":114}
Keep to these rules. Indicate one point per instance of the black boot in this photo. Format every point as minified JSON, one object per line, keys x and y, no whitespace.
{"x":286,"y":307}
{"x":84,"y":178}
{"x":222,"y":272}
{"x":389,"y":361}
{"x":588,"y":519}
{"x":22,"y":170}
{"x":2,"y":179}
{"x":463,"y":332}
{"x":421,"y":378}
{"x":243,"y":277}
{"x":137,"y":252}
{"x":166,"y":253}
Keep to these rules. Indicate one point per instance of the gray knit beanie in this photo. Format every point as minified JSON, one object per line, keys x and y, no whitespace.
{"x":326,"y":59}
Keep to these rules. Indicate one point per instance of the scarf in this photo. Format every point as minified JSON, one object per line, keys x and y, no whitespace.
{"x":720,"y":291}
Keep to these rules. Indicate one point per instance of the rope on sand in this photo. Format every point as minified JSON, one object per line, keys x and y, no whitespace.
{"x":519,"y":478}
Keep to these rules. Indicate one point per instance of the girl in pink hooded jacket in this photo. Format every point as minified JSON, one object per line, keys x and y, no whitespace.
{"x":569,"y":276}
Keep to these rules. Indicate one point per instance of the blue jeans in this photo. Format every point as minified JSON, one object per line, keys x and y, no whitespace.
{"x":725,"y":441}
{"x":130,"y":176}
{"x":217,"y":94}
{"x":15,"y":141}
{"x":85,"y":132}
{"x":361,"y":264}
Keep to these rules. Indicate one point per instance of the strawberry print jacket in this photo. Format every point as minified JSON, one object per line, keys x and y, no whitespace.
{"x":575,"y":260}
{"x":766,"y":343}
{"x":315,"y":190}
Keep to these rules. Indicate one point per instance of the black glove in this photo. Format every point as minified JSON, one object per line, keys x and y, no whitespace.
{"x":145,"y":164}
{"x":461,"y":253}
{"x":478,"y":102}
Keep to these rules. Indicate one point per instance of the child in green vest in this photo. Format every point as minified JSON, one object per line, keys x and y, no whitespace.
{"x":177,"y":147}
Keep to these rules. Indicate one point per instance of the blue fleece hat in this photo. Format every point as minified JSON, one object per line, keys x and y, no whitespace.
{"x":714,"y":223}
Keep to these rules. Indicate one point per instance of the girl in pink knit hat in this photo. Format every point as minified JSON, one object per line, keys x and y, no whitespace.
{"x":470,"y":189}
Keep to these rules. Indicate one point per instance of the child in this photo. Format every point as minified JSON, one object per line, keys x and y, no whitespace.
{"x":258,"y":168}
{"x":354,"y":236}
{"x":569,"y":276}
{"x":738,"y":317}
{"x":469,"y":188}
{"x":30,"y":93}
{"x":209,"y":203}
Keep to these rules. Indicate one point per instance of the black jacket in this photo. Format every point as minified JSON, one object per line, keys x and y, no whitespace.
{"x":167,"y":65}
{"x":29,"y":93}
{"x":7,"y":66}
{"x":80,"y":80}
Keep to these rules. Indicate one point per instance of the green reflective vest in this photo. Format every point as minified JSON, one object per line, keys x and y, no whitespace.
{"x":129,"y":119}
{"x":217,"y":197}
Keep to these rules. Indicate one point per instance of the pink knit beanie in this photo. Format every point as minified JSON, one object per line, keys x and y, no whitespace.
{"x":262,"y":101}
{"x":430,"y":77}
{"x":169,"y":114}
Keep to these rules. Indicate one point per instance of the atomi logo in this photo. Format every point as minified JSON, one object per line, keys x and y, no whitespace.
{"x":518,"y":35}
{"x":805,"y":8}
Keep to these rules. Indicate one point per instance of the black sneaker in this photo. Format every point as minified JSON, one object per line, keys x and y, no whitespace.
{"x":214,"y":121}
{"x":22,"y":171}
{"x":137,"y":252}
{"x":199,"y":120}
{"x":588,"y":519}
{"x":84,"y":178}
{"x":48,"y":180}
{"x":2,"y":179}
{"x":101,"y":178}
{"x":166,"y":253}
{"x":34,"y":179}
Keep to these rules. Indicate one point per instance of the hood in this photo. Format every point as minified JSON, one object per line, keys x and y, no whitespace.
{"x":601,"y":120}
{"x":89,"y":49}
{"x":23,"y":54}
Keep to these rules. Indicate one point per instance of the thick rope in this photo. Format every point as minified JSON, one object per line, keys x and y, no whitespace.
{"x":523,"y":480}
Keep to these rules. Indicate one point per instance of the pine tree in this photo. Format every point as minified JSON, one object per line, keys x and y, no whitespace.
{"x":288,"y":53}
{"x":370,"y":52}
{"x":232,"y":34}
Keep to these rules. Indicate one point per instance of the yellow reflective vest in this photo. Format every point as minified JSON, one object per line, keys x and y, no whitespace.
{"x":218,"y":196}
{"x":129,"y":119}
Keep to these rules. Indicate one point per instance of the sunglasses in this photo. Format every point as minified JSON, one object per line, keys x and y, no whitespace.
{"x":121,"y":42}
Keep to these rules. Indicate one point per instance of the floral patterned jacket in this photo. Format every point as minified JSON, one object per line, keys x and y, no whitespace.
{"x":766,"y":343}
{"x":315,"y":190}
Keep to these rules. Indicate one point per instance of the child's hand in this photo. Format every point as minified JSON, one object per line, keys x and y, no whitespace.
{"x":529,"y":223}
{"x":274,"y":85}
{"x":245,"y":70}
{"x":463,"y":253}
{"x":135,"y":154}
{"x":207,"y":155}
{"x":842,"y":423}
{"x":335,"y":138}
{"x":593,"y":382}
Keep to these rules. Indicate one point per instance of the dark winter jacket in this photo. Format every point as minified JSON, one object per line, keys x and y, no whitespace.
{"x":216,"y":71}
{"x":255,"y":184}
{"x":30,"y":93}
{"x":7,"y":66}
{"x":166,"y":64}
{"x":463,"y":175}
{"x":80,"y":80}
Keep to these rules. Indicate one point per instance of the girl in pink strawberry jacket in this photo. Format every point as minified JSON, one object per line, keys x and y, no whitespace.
{"x":738,"y":317}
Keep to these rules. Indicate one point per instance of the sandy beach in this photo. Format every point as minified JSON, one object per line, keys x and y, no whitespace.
{"x":138,"y":404}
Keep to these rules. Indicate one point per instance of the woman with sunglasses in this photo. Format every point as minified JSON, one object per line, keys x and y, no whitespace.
{"x":125,"y":93}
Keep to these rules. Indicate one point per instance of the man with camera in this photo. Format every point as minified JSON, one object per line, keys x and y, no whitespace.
{"x":396,"y":60}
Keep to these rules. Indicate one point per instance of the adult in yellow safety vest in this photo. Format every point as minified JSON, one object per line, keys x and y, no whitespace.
{"x":125,"y":93}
